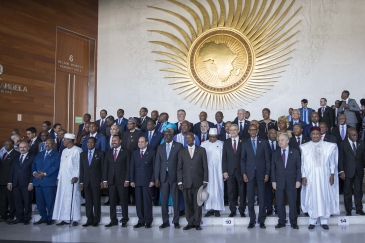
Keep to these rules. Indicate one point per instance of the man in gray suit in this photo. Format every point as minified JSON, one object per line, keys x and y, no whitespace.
{"x":192,"y":173}
{"x":165,"y":174}
{"x":349,"y":107}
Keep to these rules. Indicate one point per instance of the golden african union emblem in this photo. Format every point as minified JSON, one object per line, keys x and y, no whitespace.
{"x":231,"y":59}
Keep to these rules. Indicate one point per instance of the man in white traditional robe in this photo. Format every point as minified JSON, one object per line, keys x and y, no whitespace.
{"x":320,"y":195}
{"x":214,"y":148}
{"x":68,"y":198}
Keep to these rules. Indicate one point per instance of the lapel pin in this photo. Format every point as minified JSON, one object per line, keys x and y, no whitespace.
{"x":259,"y":141}
{"x":95,"y":155}
{"x":146,"y":152}
{"x":27,"y":157}
{"x":291,"y":152}
{"x":121,"y":150}
{"x":240,"y":141}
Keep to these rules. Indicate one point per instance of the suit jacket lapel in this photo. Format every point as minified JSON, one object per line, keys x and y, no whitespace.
{"x":350,"y":147}
{"x":289,"y":157}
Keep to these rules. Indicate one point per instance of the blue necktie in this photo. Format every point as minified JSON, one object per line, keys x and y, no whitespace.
{"x":90,"y":158}
{"x":272,"y":146}
{"x":167,"y":153}
{"x":43,"y":144}
{"x":21,"y":159}
{"x":305,"y":115}
{"x":45,"y":155}
{"x":342,"y":132}
{"x":149,"y":137}
{"x":254,"y":147}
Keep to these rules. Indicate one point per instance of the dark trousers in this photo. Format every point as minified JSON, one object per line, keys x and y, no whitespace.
{"x":225,"y":190}
{"x":144,"y":204}
{"x":6,"y":203}
{"x":355,"y":181}
{"x":193,"y":212}
{"x":93,"y":204}
{"x":299,"y":190}
{"x":268,"y":195}
{"x":122,"y":192}
{"x":280,"y":205}
{"x":251,"y":198}
{"x":234,"y":183}
{"x":46,"y":196}
{"x":168,"y":187}
{"x":23,"y":202}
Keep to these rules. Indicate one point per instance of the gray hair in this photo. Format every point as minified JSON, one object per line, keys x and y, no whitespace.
{"x":181,"y":110}
{"x":205,"y":123}
{"x":236,"y":126}
{"x":284,"y":135}
{"x":244,"y":111}
{"x":24,"y":143}
{"x":15,"y":136}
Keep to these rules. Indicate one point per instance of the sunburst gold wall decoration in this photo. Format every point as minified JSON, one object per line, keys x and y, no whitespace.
{"x":227,"y":60}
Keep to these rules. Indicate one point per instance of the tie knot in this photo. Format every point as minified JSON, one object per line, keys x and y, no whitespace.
{"x":284,"y":150}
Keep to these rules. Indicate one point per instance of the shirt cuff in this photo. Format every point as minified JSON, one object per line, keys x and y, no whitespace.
{"x":31,"y":184}
{"x":205,"y":182}
{"x":10,"y":183}
{"x":34,"y":172}
{"x":126,"y":181}
{"x":341,"y":172}
{"x":104,"y":181}
{"x":180,"y":183}
{"x":81,"y":183}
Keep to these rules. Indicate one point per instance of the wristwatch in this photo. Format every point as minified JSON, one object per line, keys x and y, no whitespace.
{"x":45,"y":174}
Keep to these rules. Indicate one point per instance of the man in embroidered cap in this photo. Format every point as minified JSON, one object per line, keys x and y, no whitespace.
{"x":214,"y":148}
{"x":320,"y":197}
{"x":68,"y":192}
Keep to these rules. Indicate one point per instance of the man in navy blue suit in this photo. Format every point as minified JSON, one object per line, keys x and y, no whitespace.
{"x":143,"y":180}
{"x":100,"y":138}
{"x":305,"y":112}
{"x":163,"y":119}
{"x":56,"y":128}
{"x":295,"y":120}
{"x":45,"y":171}
{"x":60,"y":146}
{"x":86,"y":118}
{"x":153,"y":137}
{"x":255,"y":168}
{"x":268,"y":187}
{"x":220,"y":123}
{"x":202,"y":117}
{"x":242,"y":124}
{"x":21,"y":184}
{"x":314,"y":123}
{"x":101,"y":123}
{"x":121,"y":121}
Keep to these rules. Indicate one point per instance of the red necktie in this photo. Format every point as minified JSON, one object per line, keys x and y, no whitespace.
{"x":115,"y":155}
{"x":180,"y":128}
{"x":203,"y":139}
{"x":234,"y":146}
{"x":141,"y":154}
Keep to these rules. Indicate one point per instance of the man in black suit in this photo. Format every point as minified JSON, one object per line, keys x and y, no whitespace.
{"x":231,"y":167}
{"x":6,"y":196}
{"x":163,"y":118}
{"x":242,"y":124}
{"x":86,"y":118}
{"x":154,"y":116}
{"x":340,"y":131}
{"x":21,"y":184}
{"x":255,"y":167}
{"x":130,"y":138}
{"x":143,"y":118}
{"x":286,"y":177}
{"x":33,"y":141}
{"x":226,"y":135}
{"x":56,"y":128}
{"x":202,"y":117}
{"x":60,"y":135}
{"x":268,"y":185}
{"x":314,"y":123}
{"x":260,"y":134}
{"x":325,"y":135}
{"x":154,"y":137}
{"x":192,"y":173}
{"x":118,"y":160}
{"x":351,"y":165}
{"x":296,"y":120}
{"x":101,"y":123}
{"x":220,"y":123}
{"x":46,"y":127}
{"x":165,"y":178}
{"x":326,"y":113}
{"x":143,"y":180}
{"x":181,"y":114}
{"x":203,"y":134}
{"x":93,"y":175}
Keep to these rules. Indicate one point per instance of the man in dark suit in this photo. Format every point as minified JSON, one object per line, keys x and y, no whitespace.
{"x":118,"y":160}
{"x":42,"y":145}
{"x":203,"y":134}
{"x":202,"y":117}
{"x":86,"y":118}
{"x":273,"y":144}
{"x":286,"y":177}
{"x":220,"y":123}
{"x":130,"y":138}
{"x":46,"y":127}
{"x":101,"y":123}
{"x":351,"y":165}
{"x":325,"y":135}
{"x":45,"y":171}
{"x":335,"y":112}
{"x":314,"y":123}
{"x":33,"y":141}
{"x":242,"y":124}
{"x":165,"y":178}
{"x":340,"y":131}
{"x":21,"y":184}
{"x":181,"y":114}
{"x":226,"y":135}
{"x":56,"y":128}
{"x":143,"y":180}
{"x":192,"y":173}
{"x":350,"y":108}
{"x":60,"y":146}
{"x":121,"y":121}
{"x":260,"y":134}
{"x":326,"y":113}
{"x":296,"y":120}
{"x":6,"y":196}
{"x":100,"y":138}
{"x":154,"y":138}
{"x":231,"y":168}
{"x":255,"y":167}
{"x":93,"y":175}
{"x":143,"y":118}
{"x":305,"y":112}
{"x":114,"y":130}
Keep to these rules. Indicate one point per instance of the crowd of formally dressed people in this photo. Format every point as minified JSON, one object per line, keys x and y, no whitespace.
{"x":304,"y":160}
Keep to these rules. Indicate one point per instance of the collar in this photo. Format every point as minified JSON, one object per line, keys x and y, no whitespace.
{"x":131,"y":130}
{"x":220,"y":124}
{"x":151,"y":131}
{"x":351,"y":142}
{"x":92,"y":151}
{"x":143,"y":150}
{"x":254,"y":138}
{"x":48,"y":151}
{"x":301,"y":135}
{"x":286,"y":149}
{"x":297,"y":121}
{"x":120,"y":118}
{"x":274,"y":142}
{"x":347,"y":100}
{"x":243,"y":121}
{"x":8,"y":151}
{"x":170,"y":143}
{"x":118,"y":148}
{"x":24,"y":155}
{"x":192,"y":147}
{"x":93,"y":135}
{"x":49,"y":131}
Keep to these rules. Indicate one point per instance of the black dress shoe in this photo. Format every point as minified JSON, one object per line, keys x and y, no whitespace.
{"x":251,"y":226}
{"x":209,"y":213}
{"x":164,"y":225}
{"x":295,"y":226}
{"x":188,"y":227}
{"x":87,"y":224}
{"x":217,"y":213}
{"x":360,"y":212}
{"x":348,"y":214}
{"x":278,"y":226}
{"x":124,"y":225}
{"x":177,"y":226}
{"x":83,"y":204}
{"x":306,"y":214}
{"x":111,"y":224}
{"x":15,"y":222}
{"x":95,"y":224}
{"x":62,"y":223}
{"x":269,"y":213}
{"x":148,"y":226}
{"x":40,"y":222}
{"x":75,"y":223}
{"x":26,"y":222}
{"x":50,"y":222}
{"x":138,"y":225}
{"x":243,"y":215}
{"x":198,"y":227}
{"x":325,"y":227}
{"x":232,"y":214}
{"x":311,"y":226}
{"x":182,"y":213}
{"x":262,"y":226}
{"x":298,"y":212}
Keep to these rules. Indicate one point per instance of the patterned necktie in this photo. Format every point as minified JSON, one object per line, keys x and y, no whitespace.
{"x":31,"y":143}
{"x":141,"y":154}
{"x":322,"y":111}
{"x":203,"y":139}
{"x":180,"y":128}
{"x":43,"y":145}
{"x":298,"y":140}
{"x":254,"y":147}
{"x":354,"y":147}
{"x":283,"y":157}
{"x":90,"y":158}
{"x":115,"y":155}
{"x":234,"y":146}
{"x":343,"y":132}
{"x":272,"y":146}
